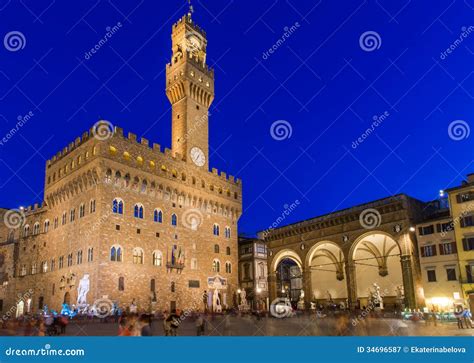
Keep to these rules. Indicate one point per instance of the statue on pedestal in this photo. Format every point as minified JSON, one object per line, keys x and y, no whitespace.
{"x":375,"y":298}
{"x":82,"y":290}
{"x":301,"y":304}
{"x":216,"y":302}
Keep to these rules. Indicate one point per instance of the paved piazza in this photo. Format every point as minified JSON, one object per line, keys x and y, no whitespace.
{"x":295,"y":326}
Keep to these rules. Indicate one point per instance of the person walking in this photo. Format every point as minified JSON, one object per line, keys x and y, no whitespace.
{"x":145,"y":327}
{"x":166,"y":324}
{"x":173,"y":321}
{"x":458,"y":314}
{"x":466,"y":317}
{"x":200,"y":325}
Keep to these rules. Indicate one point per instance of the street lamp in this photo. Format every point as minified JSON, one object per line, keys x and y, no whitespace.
{"x":412,"y":229}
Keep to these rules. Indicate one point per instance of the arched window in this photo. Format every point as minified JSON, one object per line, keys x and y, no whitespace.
{"x":90,"y":254}
{"x":36,"y":228}
{"x":227,"y":251}
{"x":158,"y":216}
{"x":117,"y":206}
{"x":261,"y":269}
{"x":228,"y":267}
{"x":138,"y":256}
{"x":138,"y":211}
{"x":227,"y":232}
{"x":144,"y":186}
{"x":157,"y":258}
{"x":118,"y":175}
{"x":116,"y":254}
{"x":92,"y":206}
{"x":215,"y":229}
{"x":82,"y":210}
{"x":174,"y":220}
{"x":26,"y":231}
{"x":63,"y":221}
{"x":216,"y":248}
{"x":108,"y":176}
{"x":216,"y":265}
{"x":121,"y":284}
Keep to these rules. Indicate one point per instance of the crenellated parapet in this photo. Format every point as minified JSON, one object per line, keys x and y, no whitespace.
{"x":137,"y":153}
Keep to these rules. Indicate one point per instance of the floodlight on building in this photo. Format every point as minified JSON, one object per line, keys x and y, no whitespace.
{"x":441,"y":193}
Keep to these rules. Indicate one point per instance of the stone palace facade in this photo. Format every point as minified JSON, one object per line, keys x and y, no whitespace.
{"x":124,"y":220}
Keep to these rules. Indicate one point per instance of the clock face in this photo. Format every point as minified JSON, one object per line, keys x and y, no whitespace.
{"x":193,"y":43}
{"x":197,"y":156}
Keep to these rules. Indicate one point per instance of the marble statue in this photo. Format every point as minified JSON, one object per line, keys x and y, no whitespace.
{"x":243,"y":297}
{"x":83,"y":289}
{"x":216,"y":302}
{"x":301,"y":304}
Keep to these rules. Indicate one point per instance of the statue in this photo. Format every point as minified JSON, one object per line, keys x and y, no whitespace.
{"x":82,"y":290}
{"x":243,"y":297}
{"x":375,"y":297}
{"x":301,"y":304}
{"x":216,"y":302}
{"x":400,"y":294}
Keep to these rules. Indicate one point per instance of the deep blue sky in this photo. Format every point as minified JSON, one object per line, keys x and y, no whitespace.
{"x":320,"y":81}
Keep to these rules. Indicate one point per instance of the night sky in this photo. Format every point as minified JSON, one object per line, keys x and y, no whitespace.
{"x":320,"y":88}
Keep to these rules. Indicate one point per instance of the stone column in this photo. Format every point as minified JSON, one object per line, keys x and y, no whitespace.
{"x":272,"y":286}
{"x":408,"y":285}
{"x":307,"y":286}
{"x":351,"y":284}
{"x":410,"y":271}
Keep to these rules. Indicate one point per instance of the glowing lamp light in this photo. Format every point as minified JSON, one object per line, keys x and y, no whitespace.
{"x":259,"y":290}
{"x":443,"y":301}
{"x":456,"y":295}
{"x":441,"y":193}
{"x":239,"y":291}
{"x":412,"y":229}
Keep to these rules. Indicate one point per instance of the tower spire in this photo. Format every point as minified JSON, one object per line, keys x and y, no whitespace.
{"x":191,"y":9}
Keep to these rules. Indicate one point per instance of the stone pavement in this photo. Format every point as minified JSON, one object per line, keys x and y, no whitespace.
{"x":295,"y":326}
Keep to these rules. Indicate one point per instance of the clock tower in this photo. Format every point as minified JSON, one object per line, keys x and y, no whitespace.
{"x":190,"y":89}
